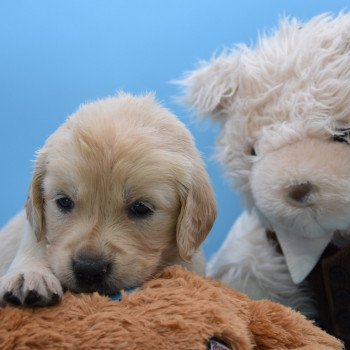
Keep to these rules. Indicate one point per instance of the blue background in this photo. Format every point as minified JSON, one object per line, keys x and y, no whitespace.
{"x":55,"y":55}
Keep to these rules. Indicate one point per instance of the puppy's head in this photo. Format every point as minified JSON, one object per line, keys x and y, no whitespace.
{"x":118,"y":192}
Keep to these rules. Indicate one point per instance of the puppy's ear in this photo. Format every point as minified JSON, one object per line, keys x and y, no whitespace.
{"x":35,"y":201}
{"x":197,"y":214}
{"x":210,"y":90}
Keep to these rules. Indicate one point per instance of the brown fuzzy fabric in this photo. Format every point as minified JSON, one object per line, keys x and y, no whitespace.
{"x":178,"y":310}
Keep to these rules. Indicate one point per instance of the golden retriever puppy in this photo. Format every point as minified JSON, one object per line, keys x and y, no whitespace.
{"x":119,"y":192}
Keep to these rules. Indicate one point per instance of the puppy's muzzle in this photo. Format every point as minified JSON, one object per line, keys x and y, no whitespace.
{"x":90,"y":271}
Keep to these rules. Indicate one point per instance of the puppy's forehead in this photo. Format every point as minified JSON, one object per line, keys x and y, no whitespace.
{"x":128,"y":129}
{"x":125,"y":138}
{"x":114,"y":120}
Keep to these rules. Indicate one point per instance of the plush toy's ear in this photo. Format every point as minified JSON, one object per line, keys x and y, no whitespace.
{"x":210,"y":89}
{"x":197,"y":215}
{"x":35,"y":201}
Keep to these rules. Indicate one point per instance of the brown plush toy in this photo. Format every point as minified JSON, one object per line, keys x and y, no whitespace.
{"x":178,"y":310}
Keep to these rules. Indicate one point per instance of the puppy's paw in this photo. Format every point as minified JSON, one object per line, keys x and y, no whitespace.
{"x":31,"y":288}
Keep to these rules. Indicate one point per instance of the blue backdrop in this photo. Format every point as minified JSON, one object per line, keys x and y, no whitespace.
{"x":56,"y":54}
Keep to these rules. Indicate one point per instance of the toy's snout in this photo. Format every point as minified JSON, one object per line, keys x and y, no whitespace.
{"x":304,"y":186}
{"x":301,"y":195}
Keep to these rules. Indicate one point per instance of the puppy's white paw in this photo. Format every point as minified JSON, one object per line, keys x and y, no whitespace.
{"x":30,"y":287}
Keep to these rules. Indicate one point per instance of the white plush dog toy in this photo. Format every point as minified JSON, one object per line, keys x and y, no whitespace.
{"x":284,"y":109}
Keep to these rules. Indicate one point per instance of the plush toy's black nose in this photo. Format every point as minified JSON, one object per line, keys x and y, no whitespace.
{"x":299,"y":194}
{"x":90,"y":271}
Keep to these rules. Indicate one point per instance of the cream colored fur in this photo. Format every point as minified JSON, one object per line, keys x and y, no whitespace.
{"x":108,"y":155}
{"x":280,"y":104}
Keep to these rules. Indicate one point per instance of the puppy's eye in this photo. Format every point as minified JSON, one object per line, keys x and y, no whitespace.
{"x":65,"y":204}
{"x":139,"y":209}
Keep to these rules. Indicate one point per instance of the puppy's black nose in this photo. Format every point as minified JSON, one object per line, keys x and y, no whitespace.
{"x":90,"y":271}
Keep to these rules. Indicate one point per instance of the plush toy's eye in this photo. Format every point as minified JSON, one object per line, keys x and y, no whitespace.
{"x":249,"y":150}
{"x":140,"y":209}
{"x":343,"y":135}
{"x":65,"y":204}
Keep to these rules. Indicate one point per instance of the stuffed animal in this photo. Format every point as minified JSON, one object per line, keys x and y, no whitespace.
{"x":284,"y":109}
{"x":177,"y":310}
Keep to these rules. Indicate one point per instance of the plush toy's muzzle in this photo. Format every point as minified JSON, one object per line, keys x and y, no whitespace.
{"x":304,"y":191}
{"x":304,"y":186}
